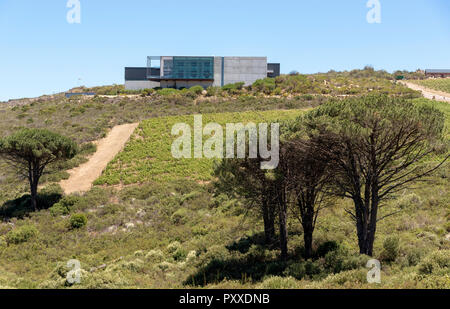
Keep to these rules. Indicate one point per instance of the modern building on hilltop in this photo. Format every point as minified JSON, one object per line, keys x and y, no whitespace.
{"x":437,"y":73}
{"x":185,"y":72}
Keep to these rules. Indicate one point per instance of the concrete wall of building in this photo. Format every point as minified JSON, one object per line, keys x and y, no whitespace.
{"x":217,"y":71}
{"x":244,"y":69}
{"x":140,"y":84}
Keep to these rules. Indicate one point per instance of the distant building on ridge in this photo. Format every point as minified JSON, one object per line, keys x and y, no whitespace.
{"x":185,"y":72}
{"x":437,"y":73}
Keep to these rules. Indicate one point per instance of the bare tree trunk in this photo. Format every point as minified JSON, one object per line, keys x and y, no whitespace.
{"x":308,"y":221}
{"x":283,"y":234}
{"x":283,"y":226}
{"x":308,"y":237}
{"x":269,"y":221}
{"x":362,"y":227}
{"x":373,"y":219}
{"x":366,"y":226}
{"x":360,"y":231}
{"x":33,"y":187}
{"x":33,"y":178}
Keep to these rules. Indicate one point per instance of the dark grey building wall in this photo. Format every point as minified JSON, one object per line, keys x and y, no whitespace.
{"x":275,"y":67}
{"x":135,"y":73}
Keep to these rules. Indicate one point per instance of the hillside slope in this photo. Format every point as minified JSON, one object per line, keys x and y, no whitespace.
{"x":155,"y":222}
{"x":157,"y":225}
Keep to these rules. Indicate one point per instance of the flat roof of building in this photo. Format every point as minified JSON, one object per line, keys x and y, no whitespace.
{"x":437,"y":71}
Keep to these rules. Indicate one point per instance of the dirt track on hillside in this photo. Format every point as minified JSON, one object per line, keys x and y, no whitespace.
{"x":429,"y":93}
{"x":82,"y":177}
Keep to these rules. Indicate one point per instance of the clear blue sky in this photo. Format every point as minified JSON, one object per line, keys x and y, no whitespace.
{"x":41,"y":53}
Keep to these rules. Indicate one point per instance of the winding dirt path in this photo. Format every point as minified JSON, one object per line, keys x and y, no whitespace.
{"x":429,"y":93}
{"x":82,"y":177}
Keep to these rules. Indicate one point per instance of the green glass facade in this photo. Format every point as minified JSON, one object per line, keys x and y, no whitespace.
{"x":200,"y":68}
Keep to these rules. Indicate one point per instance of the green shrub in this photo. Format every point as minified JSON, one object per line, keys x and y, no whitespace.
{"x":88,"y":148}
{"x":95,"y":197}
{"x":173,"y":247}
{"x":164,"y":266}
{"x":278,"y":283}
{"x":78,"y":221}
{"x":196,"y":90}
{"x":134,"y":266}
{"x":436,"y":262}
{"x":410,"y":201}
{"x":64,"y":206}
{"x":233,"y":88}
{"x":257,"y":253}
{"x":52,"y":190}
{"x":308,"y":269}
{"x":413,"y":257}
{"x":167,"y":91}
{"x":155,"y":256}
{"x":326,"y":247}
{"x":179,"y":255}
{"x":200,"y":231}
{"x":188,"y":93}
{"x":307,"y":97}
{"x":266,"y":86}
{"x":239,"y":85}
{"x":139,"y":253}
{"x":59,"y":210}
{"x":147,"y":92}
{"x":180,"y":216}
{"x":218,"y":253}
{"x":191,"y":256}
{"x":111,"y":209}
{"x":349,"y":279}
{"x":435,"y":282}
{"x":391,"y":248}
{"x":341,"y":260}
{"x":447,"y":226}
{"x":21,"y":234}
{"x":212,"y":91}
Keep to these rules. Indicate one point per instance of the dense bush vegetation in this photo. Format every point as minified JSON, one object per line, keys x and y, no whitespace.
{"x":107,"y":90}
{"x":64,"y":206}
{"x":21,"y":234}
{"x":77,"y":221}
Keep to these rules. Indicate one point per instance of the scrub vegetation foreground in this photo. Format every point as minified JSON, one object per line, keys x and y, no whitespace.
{"x":152,"y":221}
